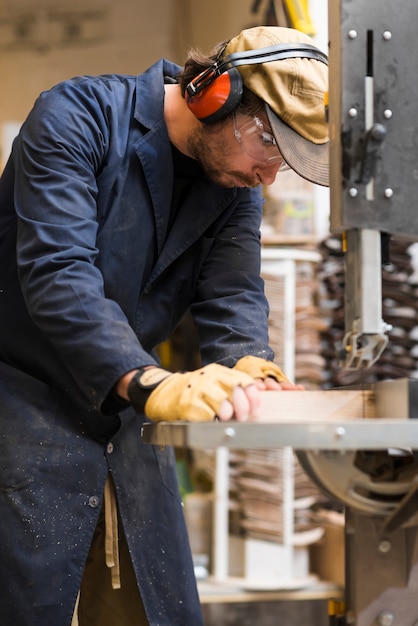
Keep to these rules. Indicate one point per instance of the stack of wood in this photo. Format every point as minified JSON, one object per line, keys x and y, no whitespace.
{"x":260,"y":478}
{"x":308,"y":323}
{"x":260,"y":481}
{"x":257,"y":489}
{"x":309,"y":362}
{"x":399,"y":309}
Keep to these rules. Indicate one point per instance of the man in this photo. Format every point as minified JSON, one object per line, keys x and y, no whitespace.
{"x":122,"y":206}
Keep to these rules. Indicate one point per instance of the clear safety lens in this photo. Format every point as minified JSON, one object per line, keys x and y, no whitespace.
{"x":258,"y":142}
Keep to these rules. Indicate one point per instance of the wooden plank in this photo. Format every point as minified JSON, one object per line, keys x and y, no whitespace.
{"x":318,"y":405}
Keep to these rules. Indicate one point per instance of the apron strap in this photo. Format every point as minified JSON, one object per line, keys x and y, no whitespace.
{"x":112,"y":537}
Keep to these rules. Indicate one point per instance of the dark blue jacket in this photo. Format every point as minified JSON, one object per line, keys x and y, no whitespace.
{"x":91,"y":280}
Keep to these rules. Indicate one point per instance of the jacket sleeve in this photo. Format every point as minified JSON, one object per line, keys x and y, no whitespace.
{"x":57,"y":158}
{"x":230,"y":309}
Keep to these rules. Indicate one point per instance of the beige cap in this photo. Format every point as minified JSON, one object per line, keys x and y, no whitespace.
{"x":294,"y":91}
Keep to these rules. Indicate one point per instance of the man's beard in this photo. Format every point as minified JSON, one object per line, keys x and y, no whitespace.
{"x":207,"y":146}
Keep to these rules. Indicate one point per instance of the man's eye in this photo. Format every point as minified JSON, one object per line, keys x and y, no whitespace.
{"x":268,"y":139}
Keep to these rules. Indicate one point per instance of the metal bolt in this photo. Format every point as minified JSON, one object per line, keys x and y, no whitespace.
{"x":352,"y":34}
{"x":229,"y":432}
{"x":385,"y":618}
{"x":388,"y":193}
{"x":387,"y":113}
{"x":384,"y":546}
{"x":352,"y":112}
{"x":339,"y":432}
{"x":352,"y":192}
{"x":387,"y":35}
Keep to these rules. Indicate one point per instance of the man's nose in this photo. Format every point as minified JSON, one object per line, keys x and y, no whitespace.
{"x":268,"y":173}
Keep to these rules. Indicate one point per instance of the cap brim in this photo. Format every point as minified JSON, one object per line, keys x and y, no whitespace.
{"x":309,"y":160}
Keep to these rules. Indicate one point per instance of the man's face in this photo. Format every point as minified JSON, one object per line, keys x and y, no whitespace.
{"x":221,"y":151}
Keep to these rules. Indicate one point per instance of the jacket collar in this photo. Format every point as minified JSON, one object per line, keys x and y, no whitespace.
{"x":149,"y":105}
{"x":205,"y":203}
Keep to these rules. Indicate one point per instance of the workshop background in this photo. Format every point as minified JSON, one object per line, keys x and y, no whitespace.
{"x":284,"y":553}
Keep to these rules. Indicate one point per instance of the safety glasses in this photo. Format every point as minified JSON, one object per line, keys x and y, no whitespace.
{"x":258,"y":142}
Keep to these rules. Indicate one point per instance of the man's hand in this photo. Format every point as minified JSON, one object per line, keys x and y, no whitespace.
{"x":267,"y":374}
{"x":201,"y":395}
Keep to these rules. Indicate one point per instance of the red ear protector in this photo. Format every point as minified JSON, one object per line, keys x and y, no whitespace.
{"x":217,"y":91}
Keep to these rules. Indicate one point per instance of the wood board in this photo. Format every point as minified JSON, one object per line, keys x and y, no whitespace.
{"x":317,"y":405}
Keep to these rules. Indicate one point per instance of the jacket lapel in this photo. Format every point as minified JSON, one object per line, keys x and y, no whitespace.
{"x":204,"y":203}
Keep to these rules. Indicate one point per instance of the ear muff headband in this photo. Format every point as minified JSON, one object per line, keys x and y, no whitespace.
{"x":217,"y":91}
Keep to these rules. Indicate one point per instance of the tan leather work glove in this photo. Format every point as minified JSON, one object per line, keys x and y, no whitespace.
{"x":194,"y":396}
{"x":257,"y":367}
